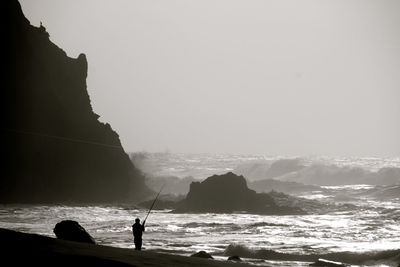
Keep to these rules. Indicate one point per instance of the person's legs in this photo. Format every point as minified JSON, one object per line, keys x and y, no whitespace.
{"x":138,"y":243}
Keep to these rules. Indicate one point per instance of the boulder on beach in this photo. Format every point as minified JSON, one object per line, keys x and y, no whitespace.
{"x":202,"y":254}
{"x":72,"y":231}
{"x":229,"y":193}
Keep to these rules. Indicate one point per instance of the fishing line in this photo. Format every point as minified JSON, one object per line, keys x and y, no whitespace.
{"x":62,"y":138}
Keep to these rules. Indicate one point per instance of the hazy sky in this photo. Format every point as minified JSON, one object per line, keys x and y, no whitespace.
{"x":267,"y":77}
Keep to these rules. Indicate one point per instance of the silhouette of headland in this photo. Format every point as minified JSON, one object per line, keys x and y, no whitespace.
{"x":55,"y":148}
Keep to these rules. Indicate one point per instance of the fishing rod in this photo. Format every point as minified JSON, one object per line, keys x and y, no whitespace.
{"x":151,"y":207}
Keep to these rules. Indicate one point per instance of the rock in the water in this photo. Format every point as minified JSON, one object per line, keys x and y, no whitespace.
{"x":202,"y":254}
{"x":229,"y":193}
{"x":326,"y":263}
{"x":72,"y":231}
{"x":234,"y":258}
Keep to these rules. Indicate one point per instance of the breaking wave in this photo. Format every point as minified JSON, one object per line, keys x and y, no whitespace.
{"x":196,"y":224}
{"x":233,"y":225}
{"x":260,"y":224}
{"x":347,"y":257}
{"x":321,"y":174}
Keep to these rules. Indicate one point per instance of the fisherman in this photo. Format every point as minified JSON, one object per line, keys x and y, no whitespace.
{"x":137,"y":230}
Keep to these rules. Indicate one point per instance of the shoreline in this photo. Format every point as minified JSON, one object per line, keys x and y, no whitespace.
{"x":22,"y":249}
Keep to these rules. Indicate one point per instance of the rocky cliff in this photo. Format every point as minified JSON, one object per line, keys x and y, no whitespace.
{"x":54,"y":146}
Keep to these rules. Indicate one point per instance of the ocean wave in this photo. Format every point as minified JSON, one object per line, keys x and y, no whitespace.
{"x":347,"y":257}
{"x":332,"y":175}
{"x":329,"y":173}
{"x":232,"y":226}
{"x":196,"y":224}
{"x":260,"y":224}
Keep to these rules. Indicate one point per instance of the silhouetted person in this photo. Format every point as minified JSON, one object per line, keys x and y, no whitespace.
{"x":137,"y":230}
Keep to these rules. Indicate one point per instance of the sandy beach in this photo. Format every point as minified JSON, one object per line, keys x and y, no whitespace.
{"x":21,"y":249}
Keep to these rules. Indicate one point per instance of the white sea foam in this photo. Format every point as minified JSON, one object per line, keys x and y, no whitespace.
{"x":369,"y":225}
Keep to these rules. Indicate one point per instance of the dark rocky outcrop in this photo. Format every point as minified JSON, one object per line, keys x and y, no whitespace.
{"x":229,"y":193}
{"x":234,"y":258}
{"x":54,"y":146}
{"x":202,"y":254}
{"x":72,"y":231}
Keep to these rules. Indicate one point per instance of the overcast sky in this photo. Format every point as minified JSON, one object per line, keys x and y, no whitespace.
{"x":267,"y":77}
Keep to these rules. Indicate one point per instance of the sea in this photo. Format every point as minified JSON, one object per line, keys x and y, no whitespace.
{"x":367,"y":226}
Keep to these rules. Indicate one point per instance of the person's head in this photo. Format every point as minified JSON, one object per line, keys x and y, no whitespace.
{"x":137,"y":220}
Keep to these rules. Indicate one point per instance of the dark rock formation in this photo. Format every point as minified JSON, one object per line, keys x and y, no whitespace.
{"x":54,"y":146}
{"x":72,"y":231}
{"x":234,"y":258}
{"x":229,"y":193}
{"x":202,"y":254}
